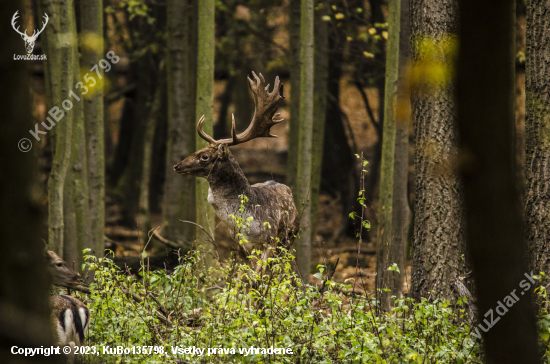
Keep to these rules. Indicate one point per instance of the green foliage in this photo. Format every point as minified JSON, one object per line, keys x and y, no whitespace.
{"x":244,"y":308}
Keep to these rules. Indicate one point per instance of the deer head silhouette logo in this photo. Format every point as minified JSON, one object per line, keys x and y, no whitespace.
{"x":29,"y":41}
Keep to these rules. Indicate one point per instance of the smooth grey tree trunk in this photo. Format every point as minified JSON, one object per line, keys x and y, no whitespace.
{"x":206,"y":217}
{"x":390,"y":247}
{"x":305,"y":141}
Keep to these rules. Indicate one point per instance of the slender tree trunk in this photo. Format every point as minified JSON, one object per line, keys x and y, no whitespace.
{"x":179,"y":191}
{"x":537,"y":135}
{"x":294,"y":103}
{"x":144,"y":215}
{"x":495,"y":225}
{"x":439,"y":243}
{"x":76,"y":181}
{"x":63,"y":129}
{"x":205,"y":106}
{"x":24,"y":304}
{"x":401,"y":210}
{"x":386,"y":253}
{"x":92,"y":48}
{"x":319,"y":113}
{"x":305,"y":141}
{"x":131,"y":181}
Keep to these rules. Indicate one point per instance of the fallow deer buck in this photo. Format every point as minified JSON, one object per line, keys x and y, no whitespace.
{"x":70,"y":317}
{"x":270,"y":204}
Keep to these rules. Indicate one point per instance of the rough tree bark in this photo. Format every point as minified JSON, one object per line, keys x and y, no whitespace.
{"x":305,"y":140}
{"x":537,"y":135}
{"x":24,"y":284}
{"x":495,"y":235}
{"x":206,"y":216}
{"x":179,"y":191}
{"x":439,"y":242}
{"x":92,"y":48}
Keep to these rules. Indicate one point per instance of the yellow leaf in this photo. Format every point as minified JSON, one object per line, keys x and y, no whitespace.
{"x":368,"y":55}
{"x":372,"y":31}
{"x":385,"y":34}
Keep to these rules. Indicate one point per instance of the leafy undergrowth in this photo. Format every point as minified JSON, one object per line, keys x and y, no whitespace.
{"x":231,"y":307}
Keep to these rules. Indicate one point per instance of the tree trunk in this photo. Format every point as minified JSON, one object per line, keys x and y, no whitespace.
{"x":63,"y":129}
{"x":78,"y":237}
{"x":537,"y":135}
{"x":386,"y":252}
{"x":305,"y":140}
{"x":206,"y":216}
{"x":144,"y":215}
{"x":401,"y":210}
{"x":131,"y":181}
{"x":294,"y":103}
{"x":319,"y":113}
{"x":92,"y":48}
{"x":495,"y":225}
{"x":179,"y":191}
{"x":439,"y":241}
{"x":24,"y":307}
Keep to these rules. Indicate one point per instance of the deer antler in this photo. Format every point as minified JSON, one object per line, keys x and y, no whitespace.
{"x":43,"y":26}
{"x":266,"y":104}
{"x":13,"y":19}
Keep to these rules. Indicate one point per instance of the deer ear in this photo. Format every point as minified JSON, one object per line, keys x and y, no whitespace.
{"x":222,"y":150}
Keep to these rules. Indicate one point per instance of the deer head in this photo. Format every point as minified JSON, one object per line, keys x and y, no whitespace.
{"x":29,"y":41}
{"x":62,"y":275}
{"x":200,"y":163}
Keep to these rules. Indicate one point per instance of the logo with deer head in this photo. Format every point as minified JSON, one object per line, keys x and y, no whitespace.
{"x":29,"y":41}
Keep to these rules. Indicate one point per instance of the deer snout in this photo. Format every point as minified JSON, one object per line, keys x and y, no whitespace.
{"x":178,"y":168}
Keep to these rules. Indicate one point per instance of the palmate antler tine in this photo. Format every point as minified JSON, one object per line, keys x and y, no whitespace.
{"x":265,"y":105}
{"x":202,"y":134}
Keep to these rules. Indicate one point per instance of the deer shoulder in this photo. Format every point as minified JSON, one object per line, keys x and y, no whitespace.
{"x":270,"y":204}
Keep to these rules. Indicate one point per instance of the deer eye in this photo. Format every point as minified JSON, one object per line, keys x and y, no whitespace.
{"x":204,"y":157}
{"x":59,"y":265}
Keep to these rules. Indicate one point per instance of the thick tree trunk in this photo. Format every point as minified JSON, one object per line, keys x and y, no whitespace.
{"x":179,"y":191}
{"x":439,"y":242}
{"x":92,"y":48}
{"x":63,"y":129}
{"x":305,"y":140}
{"x":319,"y":113}
{"x":386,"y":252}
{"x":206,"y":216}
{"x":537,"y":135}
{"x":495,"y":225}
{"x":24,"y":303}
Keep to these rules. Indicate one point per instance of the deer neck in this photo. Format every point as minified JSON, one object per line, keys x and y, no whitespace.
{"x":227,"y":180}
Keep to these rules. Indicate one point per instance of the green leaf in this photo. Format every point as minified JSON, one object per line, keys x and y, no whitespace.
{"x":318,"y":275}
